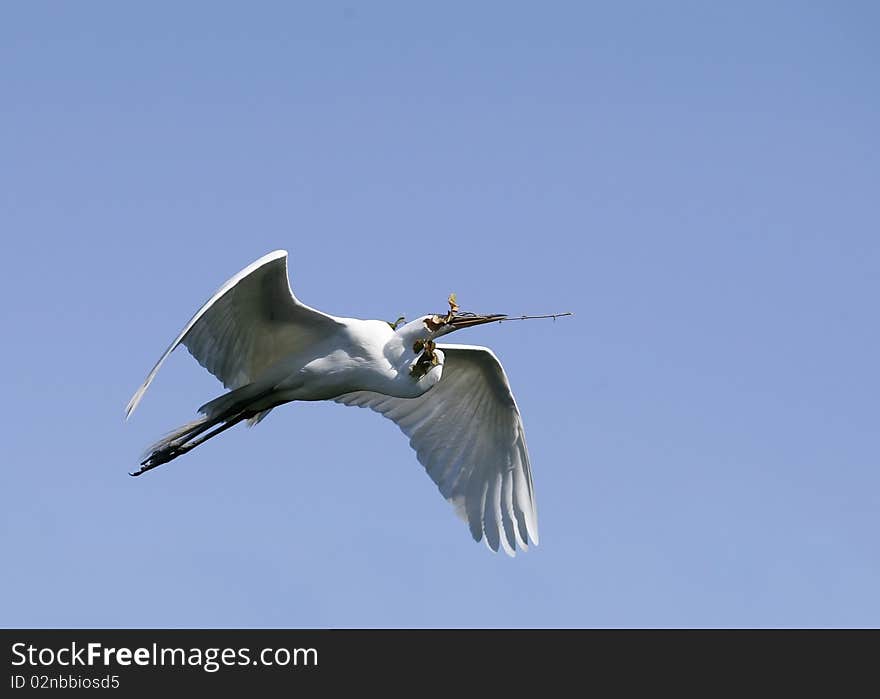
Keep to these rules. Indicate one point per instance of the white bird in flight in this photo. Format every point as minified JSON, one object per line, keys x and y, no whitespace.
{"x":452,"y":401}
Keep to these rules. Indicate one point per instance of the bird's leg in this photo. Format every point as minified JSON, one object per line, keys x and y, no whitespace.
{"x":175,"y":449}
{"x":187,"y":436}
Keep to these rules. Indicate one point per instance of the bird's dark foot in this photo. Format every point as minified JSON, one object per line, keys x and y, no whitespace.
{"x":157,"y":458}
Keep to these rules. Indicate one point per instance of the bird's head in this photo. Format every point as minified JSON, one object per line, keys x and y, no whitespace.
{"x":435,"y":325}
{"x":420,"y":334}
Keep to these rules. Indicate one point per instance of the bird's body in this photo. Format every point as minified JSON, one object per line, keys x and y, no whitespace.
{"x":453,"y":401}
{"x":364,"y":353}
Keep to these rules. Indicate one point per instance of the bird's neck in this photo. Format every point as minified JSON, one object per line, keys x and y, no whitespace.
{"x":415,"y":373}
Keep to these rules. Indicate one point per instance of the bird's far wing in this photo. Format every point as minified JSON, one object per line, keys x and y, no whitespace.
{"x":468,"y":434}
{"x":252,"y":321}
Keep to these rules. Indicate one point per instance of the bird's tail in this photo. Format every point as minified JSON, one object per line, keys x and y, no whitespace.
{"x":235,"y":401}
{"x":238,"y":400}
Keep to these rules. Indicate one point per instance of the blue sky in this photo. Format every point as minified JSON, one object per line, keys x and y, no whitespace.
{"x":696,"y":181}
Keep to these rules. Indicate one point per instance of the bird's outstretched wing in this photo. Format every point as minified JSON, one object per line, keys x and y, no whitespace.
{"x":468,"y":434}
{"x":252,"y":321}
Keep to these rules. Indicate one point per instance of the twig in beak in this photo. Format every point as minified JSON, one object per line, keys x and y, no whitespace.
{"x":554,"y":316}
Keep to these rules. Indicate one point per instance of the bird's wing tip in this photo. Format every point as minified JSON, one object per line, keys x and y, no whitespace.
{"x":135,"y":400}
{"x":502,"y":545}
{"x":259,"y":262}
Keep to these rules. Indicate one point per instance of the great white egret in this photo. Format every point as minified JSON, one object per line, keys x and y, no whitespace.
{"x":453,"y":401}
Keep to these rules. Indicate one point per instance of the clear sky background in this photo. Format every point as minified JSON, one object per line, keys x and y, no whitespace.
{"x":698,"y":182}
